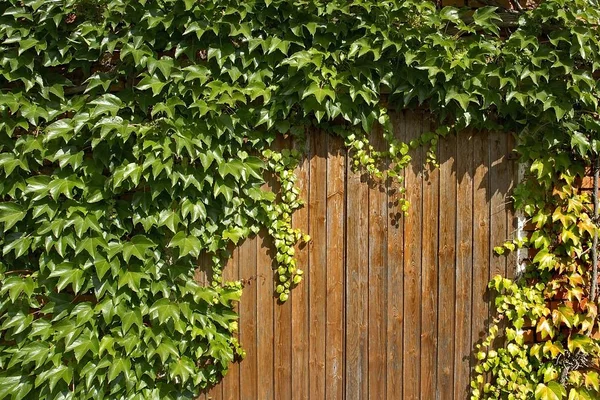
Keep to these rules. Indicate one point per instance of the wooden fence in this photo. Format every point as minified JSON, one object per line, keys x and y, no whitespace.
{"x":391,"y":305}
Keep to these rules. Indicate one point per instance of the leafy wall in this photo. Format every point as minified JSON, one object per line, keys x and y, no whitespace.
{"x":135,"y":135}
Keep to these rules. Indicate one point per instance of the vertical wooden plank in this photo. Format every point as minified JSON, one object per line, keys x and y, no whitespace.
{"x":395,"y":277}
{"x":201,"y":278}
{"x":512,"y":222}
{"x":265,"y":302}
{"x":215,"y":392}
{"x":231,"y":382}
{"x":283,"y":335}
{"x":499,"y":184}
{"x":264,"y":315}
{"x":200,"y":272}
{"x":357,"y":259}
{"x":283,"y":350}
{"x":464,"y":264}
{"x":429,"y":285}
{"x":247,"y":327}
{"x":318,"y":265}
{"x":446,"y":260}
{"x":412,"y":266}
{"x":336,"y":164}
{"x":481,"y":243}
{"x":299,"y":296}
{"x":377,"y":281}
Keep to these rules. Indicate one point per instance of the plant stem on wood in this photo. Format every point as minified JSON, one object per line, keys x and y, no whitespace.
{"x":594,"y":282}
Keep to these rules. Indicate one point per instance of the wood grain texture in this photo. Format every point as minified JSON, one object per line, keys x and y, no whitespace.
{"x":391,"y":305}
{"x":412,"y":265}
{"x":481,"y":238}
{"x":512,"y":173}
{"x":429,"y":284}
{"x":201,"y":276}
{"x":318,"y":265}
{"x":282,"y":332}
{"x":357,"y":274}
{"x":283,"y":351}
{"x":336,"y":164}
{"x":377,"y":281}
{"x":447,"y":266}
{"x":266,"y":303}
{"x":499,"y":183}
{"x":231,"y":381}
{"x":464,"y":264}
{"x":248,"y":339}
{"x":395,"y":279}
{"x":299,"y":298}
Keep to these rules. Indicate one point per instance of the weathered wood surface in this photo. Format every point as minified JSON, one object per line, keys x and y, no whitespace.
{"x":391,"y":304}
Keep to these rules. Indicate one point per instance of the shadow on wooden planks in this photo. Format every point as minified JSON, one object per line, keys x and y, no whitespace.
{"x":392,"y":304}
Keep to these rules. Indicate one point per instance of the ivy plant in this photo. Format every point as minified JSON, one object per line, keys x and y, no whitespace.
{"x":135,"y":138}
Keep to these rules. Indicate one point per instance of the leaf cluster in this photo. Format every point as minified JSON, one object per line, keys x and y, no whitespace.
{"x":135,"y":138}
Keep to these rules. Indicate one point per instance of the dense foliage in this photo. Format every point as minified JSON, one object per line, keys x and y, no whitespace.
{"x":135,"y":138}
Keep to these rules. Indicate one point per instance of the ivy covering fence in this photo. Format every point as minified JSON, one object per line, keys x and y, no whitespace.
{"x":135,"y":138}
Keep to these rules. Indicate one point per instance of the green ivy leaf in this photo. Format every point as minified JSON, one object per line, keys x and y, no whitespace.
{"x":580,"y":142}
{"x":15,"y":387}
{"x":167,"y":350}
{"x":552,"y":391}
{"x":485,"y":17}
{"x":462,"y":98}
{"x":10,"y":214}
{"x":186,"y":244}
{"x":106,"y":104}
{"x":319,"y":91}
{"x":183,"y":368}
{"x":164,"y":310}
{"x":117,"y":367}
{"x":450,"y":14}
{"x":137,"y":247}
{"x":234,"y":234}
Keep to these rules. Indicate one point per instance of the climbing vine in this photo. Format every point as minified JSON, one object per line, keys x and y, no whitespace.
{"x":135,"y":137}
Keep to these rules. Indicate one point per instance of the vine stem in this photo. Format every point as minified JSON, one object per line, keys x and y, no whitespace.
{"x":594,"y":282}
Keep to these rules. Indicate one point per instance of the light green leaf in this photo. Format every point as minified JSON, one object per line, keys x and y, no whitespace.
{"x":196,"y":211}
{"x":11,"y":213}
{"x":15,"y":387}
{"x":232,"y":167}
{"x":462,"y":98}
{"x":68,"y":274}
{"x":196,"y":72}
{"x":234,"y":234}
{"x":186,"y":244}
{"x":170,"y":219}
{"x":163,"y":310}
{"x":580,"y":142}
{"x":320,"y":92}
{"x":166,"y":349}
{"x":221,"y":188}
{"x":183,"y":368}
{"x":450,"y":14}
{"x":118,"y":366}
{"x":106,"y":104}
{"x":59,"y":129}
{"x":552,"y":391}
{"x":137,"y":247}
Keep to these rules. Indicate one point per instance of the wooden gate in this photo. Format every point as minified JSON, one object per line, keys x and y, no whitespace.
{"x":391,"y":305}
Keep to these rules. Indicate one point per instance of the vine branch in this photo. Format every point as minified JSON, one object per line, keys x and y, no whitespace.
{"x":594,"y":282}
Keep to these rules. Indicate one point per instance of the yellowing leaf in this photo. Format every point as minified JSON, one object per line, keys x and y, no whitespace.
{"x":552,"y":391}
